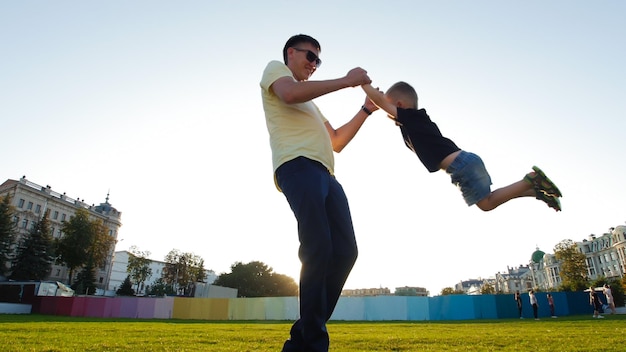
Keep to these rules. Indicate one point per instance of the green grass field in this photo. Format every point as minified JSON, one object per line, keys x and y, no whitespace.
{"x":53,"y":333}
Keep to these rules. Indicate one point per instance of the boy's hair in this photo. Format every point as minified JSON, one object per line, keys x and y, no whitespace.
{"x":297,"y":39}
{"x":404,"y":92}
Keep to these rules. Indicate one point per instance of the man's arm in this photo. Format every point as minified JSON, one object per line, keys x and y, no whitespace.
{"x":379,"y":99}
{"x":343,"y":135}
{"x":291,"y":91}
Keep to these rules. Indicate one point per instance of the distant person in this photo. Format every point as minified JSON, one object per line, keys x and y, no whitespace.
{"x":467,"y":170}
{"x":595,"y":301}
{"x":533,"y":303}
{"x":302,"y":143}
{"x":551,"y":305}
{"x":609,"y":297}
{"x":518,"y":300}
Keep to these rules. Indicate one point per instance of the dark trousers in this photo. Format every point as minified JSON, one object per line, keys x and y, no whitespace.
{"x":327,"y":250}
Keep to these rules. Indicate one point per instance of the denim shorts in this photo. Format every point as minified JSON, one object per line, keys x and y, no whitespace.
{"x":469,"y":174}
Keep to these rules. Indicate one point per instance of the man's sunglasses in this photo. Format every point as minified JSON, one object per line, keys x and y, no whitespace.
{"x":311,"y":57}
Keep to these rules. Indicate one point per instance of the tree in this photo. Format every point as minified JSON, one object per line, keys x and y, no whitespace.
{"x":86,"y":280}
{"x":83,"y":241}
{"x":160,"y":289}
{"x":139,"y":266}
{"x":182,"y":271}
{"x":8,"y":232}
{"x":73,"y":246}
{"x":101,"y":243}
{"x":256,"y":279}
{"x":34,"y":257}
{"x":573,"y":266}
{"x":450,"y":291}
{"x":126,"y":289}
{"x":487,"y":289}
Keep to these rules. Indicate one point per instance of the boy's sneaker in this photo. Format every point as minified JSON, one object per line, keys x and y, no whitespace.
{"x":542,"y":182}
{"x":550,"y":199}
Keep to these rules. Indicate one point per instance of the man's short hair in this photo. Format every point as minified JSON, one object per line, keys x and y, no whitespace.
{"x":297,"y":39}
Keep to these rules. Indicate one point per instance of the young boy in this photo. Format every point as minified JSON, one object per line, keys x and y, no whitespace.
{"x":466,"y":170}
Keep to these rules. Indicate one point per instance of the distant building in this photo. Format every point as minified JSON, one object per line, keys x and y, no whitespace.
{"x":605,"y":257}
{"x":514,"y":279}
{"x":606,"y":254}
{"x":411,"y":291}
{"x":364,"y":292}
{"x":31,"y":202}
{"x":119,"y":273}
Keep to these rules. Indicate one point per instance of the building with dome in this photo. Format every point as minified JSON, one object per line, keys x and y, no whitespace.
{"x":544,"y":270}
{"x":605,"y":257}
{"x":31,"y":201}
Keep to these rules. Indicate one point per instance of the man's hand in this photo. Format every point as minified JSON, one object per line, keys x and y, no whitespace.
{"x":357,"y":76}
{"x":369,"y":105}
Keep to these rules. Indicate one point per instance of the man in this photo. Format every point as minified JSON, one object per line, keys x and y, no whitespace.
{"x":302,"y":142}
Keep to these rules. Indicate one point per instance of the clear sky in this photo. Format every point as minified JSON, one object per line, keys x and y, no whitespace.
{"x":159,"y":103}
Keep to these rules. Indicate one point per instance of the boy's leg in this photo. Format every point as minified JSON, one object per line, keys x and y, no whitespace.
{"x":505,"y":194}
{"x":527,"y":187}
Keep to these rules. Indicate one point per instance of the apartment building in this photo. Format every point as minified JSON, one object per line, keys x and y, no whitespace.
{"x":31,"y":201}
{"x":119,"y":272}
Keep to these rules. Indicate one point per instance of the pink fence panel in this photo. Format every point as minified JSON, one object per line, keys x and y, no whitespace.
{"x":163,"y":308}
{"x":145,"y":308}
{"x":62,"y":305}
{"x":78,"y":306}
{"x":128,"y":308}
{"x":95,"y":307}
{"x":111,"y":308}
{"x":45,"y":305}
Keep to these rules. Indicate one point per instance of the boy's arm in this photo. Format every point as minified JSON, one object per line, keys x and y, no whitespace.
{"x":378,"y":98}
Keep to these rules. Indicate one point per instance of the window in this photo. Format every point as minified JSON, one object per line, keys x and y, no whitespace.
{"x":56,"y":215}
{"x":62,"y":217}
{"x":592,"y":270}
{"x":30,"y":206}
{"x":101,"y":279}
{"x":16,"y":220}
{"x":58,"y":272}
{"x":52,"y":231}
{"x":24,"y":223}
{"x":20,"y":204}
{"x":37,"y":209}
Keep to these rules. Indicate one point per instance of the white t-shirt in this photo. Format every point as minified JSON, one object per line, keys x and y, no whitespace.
{"x":533,"y":299}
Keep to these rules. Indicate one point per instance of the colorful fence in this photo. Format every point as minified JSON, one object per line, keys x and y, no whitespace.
{"x":380,"y":308}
